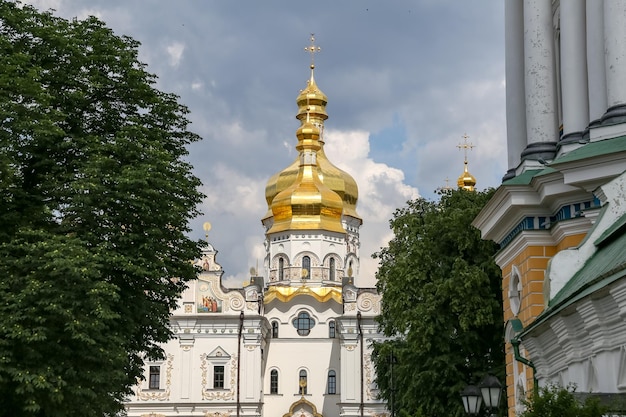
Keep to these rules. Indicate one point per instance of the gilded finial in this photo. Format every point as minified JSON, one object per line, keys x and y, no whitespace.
{"x":465,"y":145}
{"x":206,"y":226}
{"x":312,"y":49}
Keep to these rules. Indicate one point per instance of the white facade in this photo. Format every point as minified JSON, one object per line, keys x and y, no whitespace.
{"x":296,"y":341}
{"x":560,"y":213}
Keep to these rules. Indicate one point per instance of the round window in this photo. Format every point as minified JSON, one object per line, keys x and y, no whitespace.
{"x":303,"y":323}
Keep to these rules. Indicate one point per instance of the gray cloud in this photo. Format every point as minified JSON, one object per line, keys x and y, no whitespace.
{"x":405,"y":80}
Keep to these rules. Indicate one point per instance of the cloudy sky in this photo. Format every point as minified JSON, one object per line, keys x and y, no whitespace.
{"x":405,"y":79}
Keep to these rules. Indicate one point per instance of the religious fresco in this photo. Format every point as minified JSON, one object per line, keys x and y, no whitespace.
{"x":206,"y":301}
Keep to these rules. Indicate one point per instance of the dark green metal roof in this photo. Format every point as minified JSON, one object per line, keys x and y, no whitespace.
{"x":524,"y":178}
{"x":601,"y":147}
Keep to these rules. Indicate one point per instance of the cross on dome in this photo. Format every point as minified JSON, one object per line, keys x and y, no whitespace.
{"x":465,"y":145}
{"x":312,"y":49}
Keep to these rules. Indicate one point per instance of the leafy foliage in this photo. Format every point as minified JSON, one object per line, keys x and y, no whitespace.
{"x":555,"y":401}
{"x":442,"y":306}
{"x":96,"y":199}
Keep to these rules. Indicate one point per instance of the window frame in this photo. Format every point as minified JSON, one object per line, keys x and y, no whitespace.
{"x":217,"y":381}
{"x":306,"y":266}
{"x":281,"y":268}
{"x":154,"y":377}
{"x":331,"y":383}
{"x":302,"y":375}
{"x":299,"y":323}
{"x":274,"y":381}
{"x":274,"y":329}
{"x":332,"y":329}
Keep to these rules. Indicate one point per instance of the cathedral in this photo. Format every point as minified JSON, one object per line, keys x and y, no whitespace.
{"x":295,"y":340}
{"x":560,"y":214}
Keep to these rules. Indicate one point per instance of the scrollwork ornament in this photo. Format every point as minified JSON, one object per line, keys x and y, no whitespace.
{"x":210,"y":394}
{"x":160,"y":395}
{"x":368,"y":302}
{"x":236,"y":302}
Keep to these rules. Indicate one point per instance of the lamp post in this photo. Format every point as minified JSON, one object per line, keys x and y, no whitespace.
{"x":488,"y":391}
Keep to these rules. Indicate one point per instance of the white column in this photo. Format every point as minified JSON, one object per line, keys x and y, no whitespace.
{"x":615,"y":60}
{"x":350,"y":371}
{"x":573,"y":70}
{"x":595,"y":61}
{"x":515,"y":93}
{"x":540,"y":81}
{"x":186,"y":369}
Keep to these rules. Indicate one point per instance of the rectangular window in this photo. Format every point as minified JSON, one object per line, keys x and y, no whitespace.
{"x":155,"y":377}
{"x":218,"y":376}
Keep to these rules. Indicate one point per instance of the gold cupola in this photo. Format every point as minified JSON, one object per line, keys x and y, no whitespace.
{"x":307,"y":204}
{"x":312,"y":107}
{"x":466,"y":180}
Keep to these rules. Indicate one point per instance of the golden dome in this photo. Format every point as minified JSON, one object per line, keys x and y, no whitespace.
{"x":466,"y":180}
{"x":307,"y":204}
{"x":312,"y":107}
{"x":312,"y":103}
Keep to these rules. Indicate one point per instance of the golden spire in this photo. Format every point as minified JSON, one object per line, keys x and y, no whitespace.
{"x":466,"y":180}
{"x":312,"y":112}
{"x":312,"y":100}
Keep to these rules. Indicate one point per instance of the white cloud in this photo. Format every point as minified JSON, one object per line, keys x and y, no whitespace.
{"x":175,"y":52}
{"x":382,"y":189}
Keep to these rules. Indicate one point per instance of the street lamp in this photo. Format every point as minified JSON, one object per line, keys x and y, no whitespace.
{"x":488,"y":391}
{"x":471,"y":399}
{"x":491,"y":389}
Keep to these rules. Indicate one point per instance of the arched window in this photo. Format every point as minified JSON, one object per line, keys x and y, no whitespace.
{"x":331,"y":387}
{"x":306,"y":267}
{"x":302,"y":382}
{"x":331,"y":272}
{"x":281,"y":269}
{"x":303,"y":323}
{"x":331,"y":329}
{"x":274,"y":330}
{"x":274,"y":382}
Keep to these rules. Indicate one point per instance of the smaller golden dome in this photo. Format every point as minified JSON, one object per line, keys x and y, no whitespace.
{"x":312,"y":102}
{"x":466,"y":180}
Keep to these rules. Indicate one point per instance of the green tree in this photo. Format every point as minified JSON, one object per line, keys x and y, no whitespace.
{"x":555,"y":401}
{"x":96,"y":200}
{"x":441,"y":306}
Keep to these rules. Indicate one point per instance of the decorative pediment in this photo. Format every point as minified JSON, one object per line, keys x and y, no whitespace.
{"x":302,"y":408}
{"x":207,"y":260}
{"x":218,"y":352}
